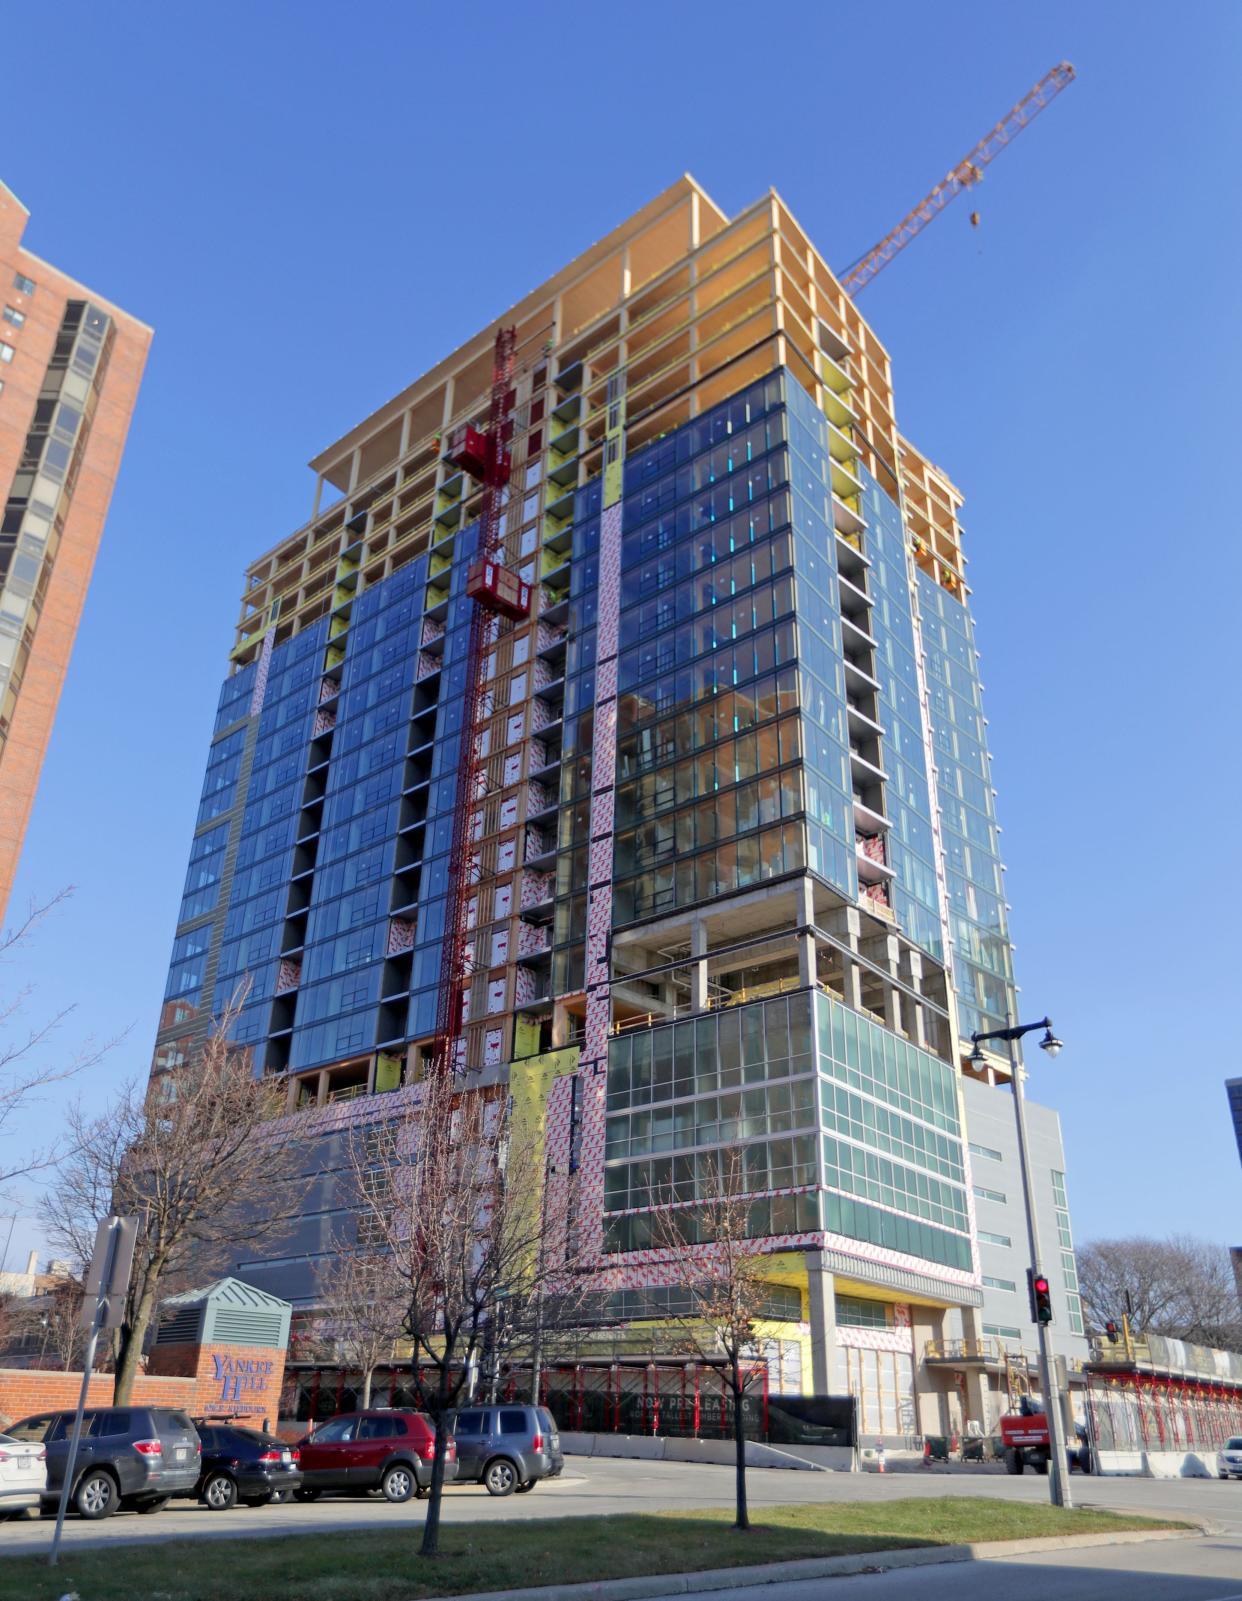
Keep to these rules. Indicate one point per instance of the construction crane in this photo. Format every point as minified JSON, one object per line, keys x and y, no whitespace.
{"x":965,"y":175}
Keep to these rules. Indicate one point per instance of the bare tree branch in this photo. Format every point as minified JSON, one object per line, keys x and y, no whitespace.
{"x":199,"y":1157}
{"x":715,"y":1255}
{"x":29,"y":1063}
{"x":1180,"y":1287}
{"x":459,"y":1217}
{"x":365,"y":1311}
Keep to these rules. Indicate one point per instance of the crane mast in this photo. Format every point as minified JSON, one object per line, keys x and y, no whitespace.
{"x":965,"y":175}
{"x":494,"y":592}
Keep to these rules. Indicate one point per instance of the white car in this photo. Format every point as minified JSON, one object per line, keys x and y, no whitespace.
{"x":23,"y":1474}
{"x":1229,"y":1458}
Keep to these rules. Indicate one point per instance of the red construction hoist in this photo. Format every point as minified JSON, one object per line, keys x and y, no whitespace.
{"x":495,"y":592}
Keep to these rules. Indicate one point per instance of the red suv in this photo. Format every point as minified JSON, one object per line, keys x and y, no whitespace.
{"x":381,"y":1450}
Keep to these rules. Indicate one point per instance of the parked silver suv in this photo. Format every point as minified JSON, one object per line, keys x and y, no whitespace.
{"x":506,"y":1448}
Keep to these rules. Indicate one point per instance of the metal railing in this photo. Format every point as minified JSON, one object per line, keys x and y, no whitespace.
{"x":988,"y":1349}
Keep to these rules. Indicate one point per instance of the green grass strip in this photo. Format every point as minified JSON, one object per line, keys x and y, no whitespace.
{"x":502,"y":1554}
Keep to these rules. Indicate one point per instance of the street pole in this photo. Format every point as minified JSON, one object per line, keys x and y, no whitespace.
{"x":1058,"y":1470}
{"x":107,"y":1279}
{"x":88,"y":1368}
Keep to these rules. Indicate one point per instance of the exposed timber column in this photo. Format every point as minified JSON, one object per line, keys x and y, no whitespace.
{"x":822,"y":1298}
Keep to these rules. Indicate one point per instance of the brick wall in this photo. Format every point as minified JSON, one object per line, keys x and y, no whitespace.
{"x":27,"y":1390}
{"x":226,"y":1378}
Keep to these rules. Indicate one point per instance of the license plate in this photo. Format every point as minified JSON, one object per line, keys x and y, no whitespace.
{"x":181,"y":1452}
{"x":285,"y":1458}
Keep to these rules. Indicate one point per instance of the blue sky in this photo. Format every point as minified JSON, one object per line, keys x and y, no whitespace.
{"x":312,"y":204}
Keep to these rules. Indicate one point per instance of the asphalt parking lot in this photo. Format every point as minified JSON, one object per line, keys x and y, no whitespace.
{"x":602,"y":1485}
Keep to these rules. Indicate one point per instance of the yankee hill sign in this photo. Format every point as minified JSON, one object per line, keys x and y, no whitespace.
{"x":230,"y":1339}
{"x":244,"y":1379}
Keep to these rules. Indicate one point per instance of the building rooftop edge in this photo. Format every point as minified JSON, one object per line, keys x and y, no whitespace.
{"x":21,"y":204}
{"x":685,"y":185}
{"x":86,"y":289}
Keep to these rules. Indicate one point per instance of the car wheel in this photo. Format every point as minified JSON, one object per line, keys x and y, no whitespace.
{"x":398,"y":1484}
{"x":96,"y":1495}
{"x":500,"y":1477}
{"x":152,"y":1503}
{"x":220,"y":1492}
{"x":525,"y":1489}
{"x":306,"y":1495}
{"x":1013,"y":1461}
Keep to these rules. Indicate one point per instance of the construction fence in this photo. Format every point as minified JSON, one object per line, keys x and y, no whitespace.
{"x":1140,"y":1412}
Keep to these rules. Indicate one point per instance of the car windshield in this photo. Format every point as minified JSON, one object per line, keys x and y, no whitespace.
{"x":29,"y":1429}
{"x":1235,"y":1444}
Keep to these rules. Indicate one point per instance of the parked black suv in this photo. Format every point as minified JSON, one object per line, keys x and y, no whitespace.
{"x":507,"y":1448}
{"x":241,"y":1464}
{"x":134,"y":1456}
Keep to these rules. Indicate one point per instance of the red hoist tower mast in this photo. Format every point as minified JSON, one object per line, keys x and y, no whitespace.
{"x":494,"y":592}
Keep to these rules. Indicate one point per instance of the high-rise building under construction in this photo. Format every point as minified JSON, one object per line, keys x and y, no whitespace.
{"x":731,"y":869}
{"x":70,"y":366}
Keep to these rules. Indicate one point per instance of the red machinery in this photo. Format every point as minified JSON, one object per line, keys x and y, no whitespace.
{"x":1026,"y":1441}
{"x":496,"y":592}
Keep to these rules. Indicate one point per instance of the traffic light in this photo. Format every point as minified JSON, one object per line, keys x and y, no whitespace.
{"x":1041,"y":1297}
{"x":1111,"y":1330}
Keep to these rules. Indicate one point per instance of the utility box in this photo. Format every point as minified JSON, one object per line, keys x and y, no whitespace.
{"x":498,"y":588}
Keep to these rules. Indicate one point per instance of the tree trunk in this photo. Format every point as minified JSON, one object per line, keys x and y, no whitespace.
{"x":129,"y":1345}
{"x":742,"y":1520}
{"x":367,"y":1376}
{"x":431,"y":1528}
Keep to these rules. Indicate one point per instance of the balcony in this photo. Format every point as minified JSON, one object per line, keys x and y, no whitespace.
{"x":989,"y":1353}
{"x":873,"y":868}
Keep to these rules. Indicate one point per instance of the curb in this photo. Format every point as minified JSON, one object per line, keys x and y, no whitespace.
{"x":644,"y":1586}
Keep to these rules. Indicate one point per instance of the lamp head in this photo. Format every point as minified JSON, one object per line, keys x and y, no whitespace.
{"x":976,"y":1054}
{"x":1050,"y":1042}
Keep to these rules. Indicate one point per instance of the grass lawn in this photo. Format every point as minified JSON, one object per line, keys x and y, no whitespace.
{"x":515,"y":1553}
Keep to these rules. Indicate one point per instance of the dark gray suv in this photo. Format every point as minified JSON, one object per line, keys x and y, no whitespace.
{"x":506,"y":1448}
{"x":133,"y":1456}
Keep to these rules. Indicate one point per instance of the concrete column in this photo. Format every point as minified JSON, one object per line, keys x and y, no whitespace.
{"x":931,"y":1400}
{"x":805,"y":915}
{"x":977,"y":1387}
{"x":851,"y":982}
{"x":698,"y":969}
{"x":822,"y":1296}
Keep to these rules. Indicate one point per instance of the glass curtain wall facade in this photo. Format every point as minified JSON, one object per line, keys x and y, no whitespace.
{"x":706,"y":806}
{"x":983,"y":960}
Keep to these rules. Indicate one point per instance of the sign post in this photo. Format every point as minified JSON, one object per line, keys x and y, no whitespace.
{"x":103,"y":1307}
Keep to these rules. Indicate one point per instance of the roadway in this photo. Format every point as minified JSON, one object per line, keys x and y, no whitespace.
{"x":602,"y":1485}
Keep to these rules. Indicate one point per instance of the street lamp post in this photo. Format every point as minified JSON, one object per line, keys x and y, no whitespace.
{"x":1058,"y":1468}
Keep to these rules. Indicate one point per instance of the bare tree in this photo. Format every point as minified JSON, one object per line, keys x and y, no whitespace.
{"x":458,"y":1217}
{"x":59,"y":1312}
{"x":1180,"y":1287}
{"x":364,"y":1312}
{"x":199,"y":1157}
{"x":716,"y":1258}
{"x":30,"y":1062}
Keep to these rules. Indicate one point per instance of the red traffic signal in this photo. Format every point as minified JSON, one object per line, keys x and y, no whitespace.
{"x":1110,"y":1329}
{"x":1041,"y":1298}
